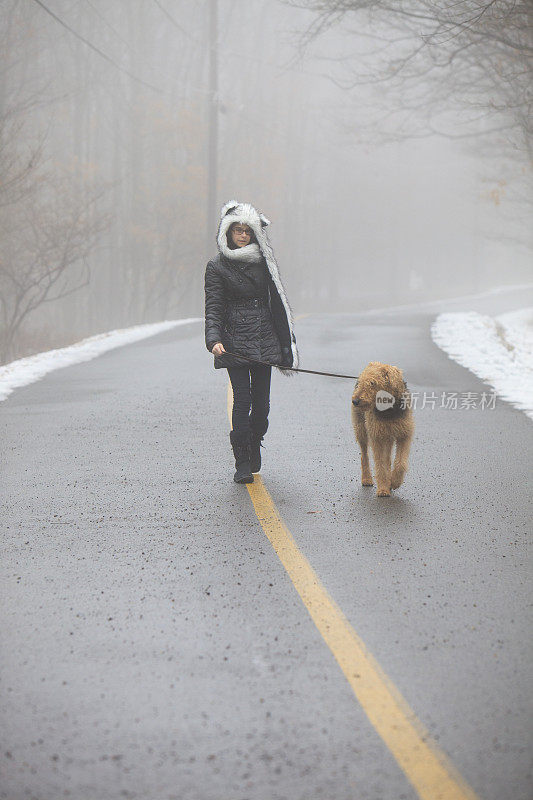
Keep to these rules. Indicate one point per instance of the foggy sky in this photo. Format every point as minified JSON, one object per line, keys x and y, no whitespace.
{"x":355,"y":222}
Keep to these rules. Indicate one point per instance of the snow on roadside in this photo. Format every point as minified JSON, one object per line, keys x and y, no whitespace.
{"x":499,"y":350}
{"x":30,"y":369}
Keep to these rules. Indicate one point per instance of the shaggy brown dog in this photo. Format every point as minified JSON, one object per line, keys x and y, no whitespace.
{"x":381,"y":414}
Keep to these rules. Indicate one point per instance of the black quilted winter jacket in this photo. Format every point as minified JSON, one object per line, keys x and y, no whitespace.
{"x":244,"y":311}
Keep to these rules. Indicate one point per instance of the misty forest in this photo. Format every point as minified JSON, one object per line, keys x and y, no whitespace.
{"x":389,"y":144}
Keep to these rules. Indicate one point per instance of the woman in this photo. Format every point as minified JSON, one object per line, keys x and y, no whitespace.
{"x":246,"y":312}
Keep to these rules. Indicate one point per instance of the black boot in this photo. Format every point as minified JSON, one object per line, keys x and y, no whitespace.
{"x":240,"y":442}
{"x":256,"y":437}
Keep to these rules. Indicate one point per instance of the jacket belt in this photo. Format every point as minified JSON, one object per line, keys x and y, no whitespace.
{"x":248,"y":302}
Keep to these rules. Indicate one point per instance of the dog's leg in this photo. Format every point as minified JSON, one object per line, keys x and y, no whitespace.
{"x":403,"y":447}
{"x":359,"y":426}
{"x":382,"y":459}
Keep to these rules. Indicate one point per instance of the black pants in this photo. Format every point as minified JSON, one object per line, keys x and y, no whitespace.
{"x":251,"y":397}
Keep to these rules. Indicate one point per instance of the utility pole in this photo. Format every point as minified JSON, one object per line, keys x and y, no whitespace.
{"x":212,"y":143}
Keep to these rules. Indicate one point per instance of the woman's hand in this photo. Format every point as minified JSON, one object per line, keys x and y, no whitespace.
{"x":218,"y":349}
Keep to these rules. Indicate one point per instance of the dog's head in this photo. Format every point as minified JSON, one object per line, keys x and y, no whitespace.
{"x":379,"y":386}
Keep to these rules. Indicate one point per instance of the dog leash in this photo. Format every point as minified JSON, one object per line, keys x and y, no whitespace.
{"x":292,"y":369}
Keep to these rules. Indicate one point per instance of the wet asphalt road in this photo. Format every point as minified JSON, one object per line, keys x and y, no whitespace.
{"x":154,"y":647}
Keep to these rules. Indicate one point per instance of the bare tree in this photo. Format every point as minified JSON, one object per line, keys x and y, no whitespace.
{"x":46,"y":234}
{"x":458,"y":69}
{"x":50,"y":213}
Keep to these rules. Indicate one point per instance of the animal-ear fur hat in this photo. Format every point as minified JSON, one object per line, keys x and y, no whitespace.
{"x":246,"y":214}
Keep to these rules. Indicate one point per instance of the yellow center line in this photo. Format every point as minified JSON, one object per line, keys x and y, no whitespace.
{"x":428,"y":769}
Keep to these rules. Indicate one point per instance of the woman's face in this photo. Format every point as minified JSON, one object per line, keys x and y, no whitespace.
{"x":240,"y":234}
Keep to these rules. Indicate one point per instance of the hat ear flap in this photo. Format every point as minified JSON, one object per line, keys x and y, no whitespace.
{"x":228,"y":207}
{"x":264,"y":220}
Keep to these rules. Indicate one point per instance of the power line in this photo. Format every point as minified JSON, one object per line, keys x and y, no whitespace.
{"x":178,"y":26}
{"x":108,"y":24}
{"x":198,"y":90}
{"x":240,"y":55}
{"x":193,"y":88}
{"x":96,"y":49}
